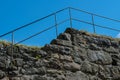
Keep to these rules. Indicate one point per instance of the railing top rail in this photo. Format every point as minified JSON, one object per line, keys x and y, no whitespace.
{"x":96,"y":25}
{"x":40,"y":32}
{"x":33,"y":22}
{"x":95,"y":14}
{"x":54,"y":14}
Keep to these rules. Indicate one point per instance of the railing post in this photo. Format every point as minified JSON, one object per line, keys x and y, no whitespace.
{"x":70,"y":17}
{"x":93,"y":23}
{"x":56,"y":25}
{"x":12,"y":45}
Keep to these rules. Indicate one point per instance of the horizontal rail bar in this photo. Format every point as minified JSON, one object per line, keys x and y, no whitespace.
{"x":55,"y":13}
{"x":95,"y":14}
{"x":33,"y":22}
{"x":41,"y":32}
{"x":96,"y":25}
{"x":36,"y":34}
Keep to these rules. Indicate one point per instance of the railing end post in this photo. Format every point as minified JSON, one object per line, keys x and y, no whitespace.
{"x":70,"y":15}
{"x":93,"y":23}
{"x":55,"y":17}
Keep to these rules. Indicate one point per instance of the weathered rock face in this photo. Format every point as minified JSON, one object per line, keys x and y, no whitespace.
{"x":74,"y":55}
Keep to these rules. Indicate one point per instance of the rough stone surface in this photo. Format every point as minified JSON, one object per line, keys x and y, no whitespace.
{"x":99,"y":57}
{"x":77,"y":76}
{"x":74,"y":55}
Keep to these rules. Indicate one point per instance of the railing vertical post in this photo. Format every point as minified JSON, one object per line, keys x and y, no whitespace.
{"x":93,"y":23}
{"x":70,"y":17}
{"x":12,"y":46}
{"x":56,"y":25}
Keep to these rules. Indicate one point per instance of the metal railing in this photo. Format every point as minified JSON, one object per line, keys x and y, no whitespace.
{"x":56,"y":24}
{"x":93,"y":21}
{"x":70,"y":19}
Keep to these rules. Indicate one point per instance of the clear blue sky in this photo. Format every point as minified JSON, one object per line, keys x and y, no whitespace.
{"x":15,"y":13}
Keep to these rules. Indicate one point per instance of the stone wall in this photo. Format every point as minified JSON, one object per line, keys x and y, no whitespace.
{"x":74,"y":55}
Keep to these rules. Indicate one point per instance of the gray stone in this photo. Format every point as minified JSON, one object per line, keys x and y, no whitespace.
{"x":29,"y":71}
{"x":55,"y":56}
{"x":115,"y":70}
{"x":94,"y":47}
{"x":94,"y":78}
{"x":99,"y":57}
{"x":65,"y":36}
{"x":90,"y":68}
{"x":37,"y":77}
{"x":26,"y":77}
{"x":102,"y":42}
{"x":77,"y":76}
{"x":54,"y":64}
{"x":22,"y":71}
{"x":2,"y":65}
{"x":41,"y":71}
{"x":2,"y":74}
{"x":111,"y":50}
{"x":80,"y":53}
{"x":66,"y":58}
{"x":58,"y":49}
{"x":72,"y":66}
{"x":77,"y":60}
{"x":40,"y":63}
{"x":13,"y":72}
{"x":15,"y":78}
{"x":72,"y":31}
{"x":42,"y":53}
{"x":60,"y":77}
{"x":5,"y":78}
{"x":54,"y":71}
{"x":115,"y":44}
{"x":27,"y":57}
{"x":19,"y":62}
{"x":62,"y":42}
{"x":1,"y":46}
{"x":28,"y":64}
{"x":104,"y":72}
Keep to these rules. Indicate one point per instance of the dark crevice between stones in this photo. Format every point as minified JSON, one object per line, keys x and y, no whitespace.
{"x":114,"y":62}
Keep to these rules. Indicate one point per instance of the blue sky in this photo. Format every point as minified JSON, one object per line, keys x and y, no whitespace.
{"x":15,"y":13}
